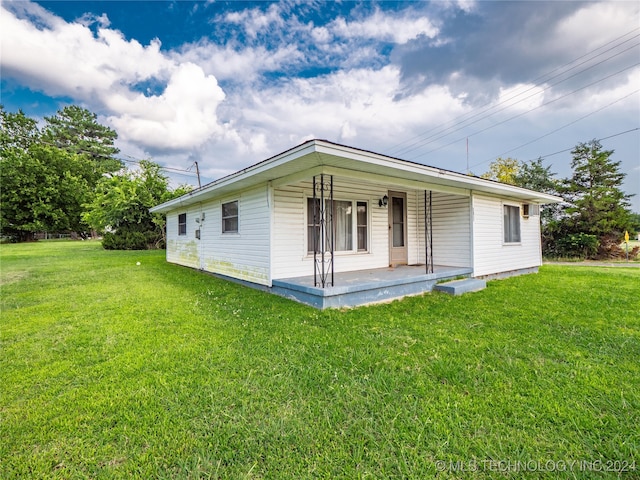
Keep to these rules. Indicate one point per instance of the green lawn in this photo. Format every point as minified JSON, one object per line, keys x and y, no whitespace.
{"x":109,"y":369}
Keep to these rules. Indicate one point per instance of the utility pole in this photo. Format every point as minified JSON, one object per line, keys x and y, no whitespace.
{"x":198,"y":174}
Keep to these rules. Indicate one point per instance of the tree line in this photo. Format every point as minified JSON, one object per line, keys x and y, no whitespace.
{"x":594,"y":215}
{"x":64,"y":176}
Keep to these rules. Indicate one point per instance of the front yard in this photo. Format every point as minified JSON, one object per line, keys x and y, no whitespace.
{"x":110,"y":369}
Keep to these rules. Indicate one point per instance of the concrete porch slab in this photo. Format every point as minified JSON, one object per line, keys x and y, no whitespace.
{"x":365,"y":286}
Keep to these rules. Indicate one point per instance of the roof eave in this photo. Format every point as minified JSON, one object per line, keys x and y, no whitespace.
{"x":324,"y":147}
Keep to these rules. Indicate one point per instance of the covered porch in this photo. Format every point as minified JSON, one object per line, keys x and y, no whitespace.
{"x":361,"y":287}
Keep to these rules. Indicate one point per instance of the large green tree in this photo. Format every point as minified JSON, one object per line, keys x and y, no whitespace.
{"x":46,"y":176}
{"x":121,"y":206}
{"x":598,"y":205}
{"x":635,"y":223}
{"x":592,"y":221}
{"x":595,"y":214}
{"x":43,"y":189}
{"x":535,"y":176}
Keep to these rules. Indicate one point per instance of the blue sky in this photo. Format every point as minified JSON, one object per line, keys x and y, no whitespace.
{"x":228,"y":84}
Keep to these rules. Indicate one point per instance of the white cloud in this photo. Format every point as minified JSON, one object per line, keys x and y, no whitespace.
{"x":102,"y":71}
{"x":186,"y":115}
{"x":347,"y":131}
{"x":382,"y":26}
{"x":520,"y":97}
{"x":464,"y":5}
{"x":89,"y":19}
{"x":256,"y":21}
{"x":321,"y":35}
{"x":182,"y":117}
{"x":67,"y":59}
{"x":611,"y":19}
{"x":357,"y":105}
{"x":622,"y":93}
{"x":241,"y":65}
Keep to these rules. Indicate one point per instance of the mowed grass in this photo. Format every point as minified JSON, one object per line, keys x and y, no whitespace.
{"x":113,"y":370}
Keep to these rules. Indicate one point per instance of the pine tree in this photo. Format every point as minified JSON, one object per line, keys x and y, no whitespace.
{"x":598,"y":205}
{"x":76,"y":130}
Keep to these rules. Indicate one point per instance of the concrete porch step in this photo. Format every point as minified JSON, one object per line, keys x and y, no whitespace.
{"x":458,"y":287}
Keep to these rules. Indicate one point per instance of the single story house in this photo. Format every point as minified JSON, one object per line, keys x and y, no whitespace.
{"x":331,"y":225}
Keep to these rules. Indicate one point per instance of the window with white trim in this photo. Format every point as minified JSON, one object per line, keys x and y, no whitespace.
{"x":511,"y":223}
{"x":182,"y":224}
{"x":230,"y":217}
{"x":346,"y":226}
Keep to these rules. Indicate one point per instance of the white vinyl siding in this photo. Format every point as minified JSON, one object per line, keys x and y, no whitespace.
{"x":491,"y":255}
{"x":243,"y":255}
{"x":289,"y":247}
{"x":451,"y":229}
{"x":362,"y":229}
{"x":182,"y":248}
{"x":272,"y":242}
{"x":414,"y":226}
{"x":451,"y":226}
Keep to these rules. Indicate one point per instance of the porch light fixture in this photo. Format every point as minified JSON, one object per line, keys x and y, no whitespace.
{"x":383,"y":202}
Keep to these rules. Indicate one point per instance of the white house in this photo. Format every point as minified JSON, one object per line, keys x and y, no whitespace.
{"x":332,"y":225}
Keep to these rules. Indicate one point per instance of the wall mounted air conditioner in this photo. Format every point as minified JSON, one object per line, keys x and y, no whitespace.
{"x":530,"y":209}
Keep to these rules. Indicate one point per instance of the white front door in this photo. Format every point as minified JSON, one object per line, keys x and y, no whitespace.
{"x":397,"y":228}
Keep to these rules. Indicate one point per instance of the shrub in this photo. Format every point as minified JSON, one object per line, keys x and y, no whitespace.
{"x":128,"y":240}
{"x":581,"y":245}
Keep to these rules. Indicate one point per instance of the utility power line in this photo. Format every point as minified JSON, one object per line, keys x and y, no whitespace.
{"x":137,"y":162}
{"x":530,"y":110}
{"x":460,"y":122}
{"x":460,"y":127}
{"x":537,"y":81}
{"x":558,"y":129}
{"x":571,"y":148}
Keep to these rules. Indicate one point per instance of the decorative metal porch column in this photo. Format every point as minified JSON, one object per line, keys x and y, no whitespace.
{"x":323,"y":231}
{"x":428,"y":232}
